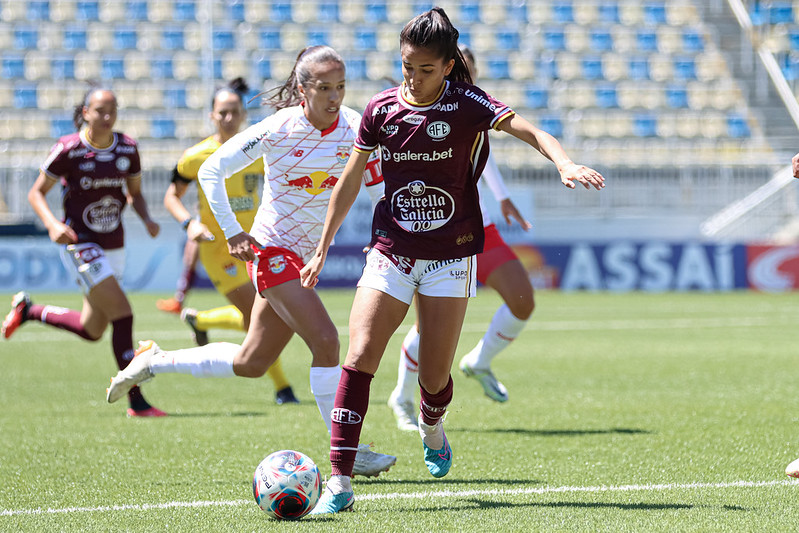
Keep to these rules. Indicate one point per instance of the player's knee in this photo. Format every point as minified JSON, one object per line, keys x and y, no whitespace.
{"x":251,"y":368}
{"x":325,"y":348}
{"x":522,"y":306}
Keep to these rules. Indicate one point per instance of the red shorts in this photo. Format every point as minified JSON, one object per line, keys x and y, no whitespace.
{"x":495,"y":254}
{"x":273,"y":266}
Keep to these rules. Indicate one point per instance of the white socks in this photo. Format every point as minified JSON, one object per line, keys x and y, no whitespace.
{"x":339,"y":484}
{"x":408,"y":369}
{"x":324,"y":382}
{"x":504,"y":328}
{"x":432,"y":436}
{"x":213,"y":360}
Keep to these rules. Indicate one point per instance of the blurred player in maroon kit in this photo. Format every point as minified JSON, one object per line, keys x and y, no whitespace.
{"x":95,"y":167}
{"x":432,"y":134}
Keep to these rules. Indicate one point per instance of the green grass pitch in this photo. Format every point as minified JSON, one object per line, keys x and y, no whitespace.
{"x":627,"y":412}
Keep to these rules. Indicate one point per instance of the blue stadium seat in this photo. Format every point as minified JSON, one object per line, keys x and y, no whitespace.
{"x":125,"y":38}
{"x":551,"y":124}
{"x":780,"y":13}
{"x":655,"y":13}
{"x":317,"y":36}
{"x":507,"y":39}
{"x":112,"y":67}
{"x":223,"y":40}
{"x":217,"y":68}
{"x":684,"y":68}
{"x":554,"y":39}
{"x":236,"y":11}
{"x":497,"y":68}
{"x":25,"y":96}
{"x":62,"y":68}
{"x":175,"y":97}
{"x":13,"y":67}
{"x":280,"y":11}
{"x":609,"y":12}
{"x":38,"y":10}
{"x":517,"y":12}
{"x":547,"y":66}
{"x":469,"y":12}
{"x":185,"y":10}
{"x":356,"y":68}
{"x":638,"y":68}
{"x":136,"y":10}
{"x":60,"y":126}
{"x":172,"y":39}
{"x":644,"y":125}
{"x":646,"y":40}
{"x":536,"y":97}
{"x":592,"y":68}
{"x":327,"y":11}
{"x":74,"y":38}
{"x":692,"y":41}
{"x":789,"y":65}
{"x":600,"y":40}
{"x":161,"y":68}
{"x":162,"y":128}
{"x":676,"y":96}
{"x":737,"y":126}
{"x":26,"y":38}
{"x":606,"y":96}
{"x":87,"y":10}
{"x":793,"y":40}
{"x":465,"y":37}
{"x":269,"y":39}
{"x":264,"y":69}
{"x":562,"y":11}
{"x":375,"y":11}
{"x":365,"y":38}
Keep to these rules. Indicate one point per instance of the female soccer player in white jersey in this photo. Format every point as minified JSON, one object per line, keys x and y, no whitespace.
{"x":498,"y":267}
{"x":431,"y":132}
{"x":305,"y":146}
{"x":94,"y":167}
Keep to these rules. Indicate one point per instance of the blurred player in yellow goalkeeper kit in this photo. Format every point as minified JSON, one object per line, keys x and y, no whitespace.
{"x":229,"y":275}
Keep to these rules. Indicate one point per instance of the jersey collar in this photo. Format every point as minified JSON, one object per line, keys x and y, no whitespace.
{"x":420,"y":105}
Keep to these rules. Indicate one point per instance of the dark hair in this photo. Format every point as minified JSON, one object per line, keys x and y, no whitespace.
{"x":236,"y":86}
{"x":288,"y":94}
{"x":467,"y":52}
{"x":77,"y":113}
{"x":433,"y":30}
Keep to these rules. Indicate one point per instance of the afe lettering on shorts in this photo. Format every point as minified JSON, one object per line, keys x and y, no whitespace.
{"x":340,"y":415}
{"x":277,"y":264}
{"x":103,"y":216}
{"x":418,"y":208}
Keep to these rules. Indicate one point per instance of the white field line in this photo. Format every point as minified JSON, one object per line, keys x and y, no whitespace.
{"x":424,"y":495}
{"x":41,"y":333}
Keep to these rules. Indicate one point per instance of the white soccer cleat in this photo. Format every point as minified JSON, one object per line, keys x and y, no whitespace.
{"x":492,"y":387}
{"x":138,"y":371}
{"x":793,"y":469}
{"x":369,"y":463}
{"x":404,"y":412}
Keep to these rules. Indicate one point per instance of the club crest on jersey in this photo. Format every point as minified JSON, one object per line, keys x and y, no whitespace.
{"x":419,"y":207}
{"x":342,"y":153}
{"x":103,"y":216}
{"x":277,"y":264}
{"x":315,"y":183}
{"x":438,"y":130}
{"x":251,"y":182}
{"x":123,"y":164}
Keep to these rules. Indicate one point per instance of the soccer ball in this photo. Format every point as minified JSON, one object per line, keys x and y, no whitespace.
{"x":287,"y":485}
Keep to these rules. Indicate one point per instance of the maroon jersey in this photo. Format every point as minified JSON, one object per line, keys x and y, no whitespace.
{"x":93,"y":181}
{"x":432,"y":156}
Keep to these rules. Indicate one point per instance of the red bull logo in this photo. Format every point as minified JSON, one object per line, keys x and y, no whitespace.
{"x":315,"y":183}
{"x":277,"y":264}
{"x":342,"y":153}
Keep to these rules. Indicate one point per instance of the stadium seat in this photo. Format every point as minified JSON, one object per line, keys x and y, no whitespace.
{"x":223,"y":40}
{"x":269,"y":39}
{"x":100,"y":37}
{"x":398,"y":12}
{"x":644,"y":125}
{"x":263,"y":68}
{"x":609,"y":12}
{"x":135,"y":10}
{"x":26,"y":38}
{"x":87,"y":66}
{"x":578,"y":94}
{"x":655,"y":13}
{"x":163,"y":128}
{"x":327,"y":11}
{"x":375,"y":12}
{"x":547,"y":66}
{"x":638,"y":68}
{"x":600,"y":40}
{"x":37,"y":65}
{"x":647,"y":40}
{"x":25,"y":96}
{"x":317,"y":35}
{"x":521,"y":65}
{"x":280,"y":11}
{"x":592,"y":67}
{"x":60,"y":126}
{"x":74,"y":38}
{"x":684,"y":68}
{"x":518,"y":13}
{"x":551,"y":124}
{"x":554,"y":39}
{"x":562,"y":11}
{"x":125,"y":38}
{"x":681,"y":13}
{"x":631,"y":14}
{"x":159,"y":11}
{"x":161,"y":67}
{"x":692,"y":41}
{"x":172,"y":38}
{"x":689,"y":125}
{"x":606,"y":96}
{"x":661,"y":67}
{"x":292,"y":38}
{"x":356,"y":67}
{"x":365,"y":38}
{"x":676,"y":96}
{"x":62,"y":68}
{"x":576,"y":38}
{"x":586,"y":13}
{"x":737,"y":126}
{"x":507,"y":39}
{"x":497,"y":67}
{"x":185,"y":10}
{"x":88,"y":10}
{"x":13,"y":66}
{"x":234,"y":65}
{"x":669,"y":39}
{"x":624,"y":39}
{"x":618,"y":124}
{"x":51,"y":95}
{"x":780,"y":13}
{"x":112,"y":67}
{"x":38,"y":10}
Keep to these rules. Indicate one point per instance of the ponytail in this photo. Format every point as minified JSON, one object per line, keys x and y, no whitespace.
{"x":237,"y":86}
{"x":434,"y":31}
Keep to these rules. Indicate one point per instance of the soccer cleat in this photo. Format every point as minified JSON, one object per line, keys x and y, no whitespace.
{"x":438,"y":462}
{"x":793,"y":469}
{"x":404,"y":412}
{"x":170,"y":305}
{"x":285,"y":395}
{"x":369,"y":463}
{"x":330,"y":503}
{"x":491,"y":386}
{"x":137,"y":371}
{"x":20,"y":304}
{"x":189,"y":316}
{"x":149,"y":412}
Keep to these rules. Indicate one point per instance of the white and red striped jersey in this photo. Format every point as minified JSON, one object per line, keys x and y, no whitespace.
{"x":301,"y":164}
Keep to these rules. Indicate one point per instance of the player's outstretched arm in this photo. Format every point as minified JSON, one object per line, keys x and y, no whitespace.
{"x":570,"y":172}
{"x":59,"y":232}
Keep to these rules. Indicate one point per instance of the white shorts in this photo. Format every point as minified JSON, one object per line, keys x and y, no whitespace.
{"x":400,"y":276}
{"x":90,"y":264}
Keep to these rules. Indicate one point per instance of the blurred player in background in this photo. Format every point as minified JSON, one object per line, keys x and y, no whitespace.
{"x":95,"y":166}
{"x":305,"y":146}
{"x":191,"y":252}
{"x":432,"y":134}
{"x":793,"y":468}
{"x":498,"y":268}
{"x":228,"y":274}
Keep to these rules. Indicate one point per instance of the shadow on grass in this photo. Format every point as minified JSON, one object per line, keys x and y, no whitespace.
{"x":640,"y":506}
{"x":555,"y":432}
{"x":387,"y":481}
{"x":220,"y":414}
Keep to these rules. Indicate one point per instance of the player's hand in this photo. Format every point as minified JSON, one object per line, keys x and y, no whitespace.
{"x":795,"y":166}
{"x":197,"y":231}
{"x":60,"y":233}
{"x":589,"y":177}
{"x":152,"y":227}
{"x":510,"y":213}
{"x":240,"y":246}
{"x":309,"y":275}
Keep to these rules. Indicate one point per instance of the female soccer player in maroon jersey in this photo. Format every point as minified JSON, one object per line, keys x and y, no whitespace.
{"x":432,"y":135}
{"x":95,"y":166}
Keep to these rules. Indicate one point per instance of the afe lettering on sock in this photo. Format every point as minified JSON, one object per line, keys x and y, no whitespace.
{"x":340,"y":415}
